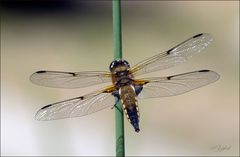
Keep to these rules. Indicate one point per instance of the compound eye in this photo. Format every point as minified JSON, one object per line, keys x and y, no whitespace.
{"x":112,"y":65}
{"x":126,"y":63}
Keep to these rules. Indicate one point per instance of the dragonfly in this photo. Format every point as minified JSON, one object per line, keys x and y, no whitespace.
{"x":125,"y":84}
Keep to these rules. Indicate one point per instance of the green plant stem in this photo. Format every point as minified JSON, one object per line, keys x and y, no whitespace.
{"x":117,"y":29}
{"x":117,"y":39}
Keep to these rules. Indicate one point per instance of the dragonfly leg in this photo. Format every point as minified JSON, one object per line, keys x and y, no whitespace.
{"x":115,"y":105}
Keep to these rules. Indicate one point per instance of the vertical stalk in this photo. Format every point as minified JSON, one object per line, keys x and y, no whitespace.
{"x":117,"y":39}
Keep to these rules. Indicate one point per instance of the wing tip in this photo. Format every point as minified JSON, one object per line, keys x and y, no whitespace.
{"x":41,"y":113}
{"x":32,"y":77}
{"x":38,"y":116}
{"x":217,"y":76}
{"x":204,"y":36}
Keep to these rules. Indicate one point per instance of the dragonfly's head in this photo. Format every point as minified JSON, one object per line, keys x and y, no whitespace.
{"x":119,"y":65}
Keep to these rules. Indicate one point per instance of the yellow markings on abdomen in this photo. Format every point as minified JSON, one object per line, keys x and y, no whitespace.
{"x":128,"y":99}
{"x":138,"y":113}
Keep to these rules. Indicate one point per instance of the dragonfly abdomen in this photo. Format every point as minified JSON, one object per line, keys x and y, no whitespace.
{"x":129,"y":103}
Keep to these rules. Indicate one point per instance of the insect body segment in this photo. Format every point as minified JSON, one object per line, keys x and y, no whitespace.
{"x":124,"y":82}
{"x":120,"y":73}
{"x":129,"y":103}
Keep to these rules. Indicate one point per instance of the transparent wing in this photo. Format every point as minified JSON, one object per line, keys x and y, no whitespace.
{"x":176,"y":55}
{"x":76,"y":107}
{"x":59,"y":79}
{"x":177,"y":84}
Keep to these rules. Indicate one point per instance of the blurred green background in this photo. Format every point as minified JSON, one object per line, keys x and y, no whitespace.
{"x":77,"y":36}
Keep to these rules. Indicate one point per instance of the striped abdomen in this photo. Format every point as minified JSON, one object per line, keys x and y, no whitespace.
{"x":129,"y":102}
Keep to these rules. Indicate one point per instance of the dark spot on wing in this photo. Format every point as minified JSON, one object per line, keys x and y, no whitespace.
{"x":46,"y":106}
{"x":203,"y":70}
{"x":81,"y":97}
{"x":198,"y":35}
{"x":169,"y":77}
{"x":73,"y":74}
{"x":42,"y":71}
{"x":168,"y":52}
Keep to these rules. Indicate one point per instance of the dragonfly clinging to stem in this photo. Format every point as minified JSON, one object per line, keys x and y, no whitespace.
{"x":126,"y":87}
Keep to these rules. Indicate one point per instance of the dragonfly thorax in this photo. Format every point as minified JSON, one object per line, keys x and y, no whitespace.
{"x":120,"y":73}
{"x":122,"y":78}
